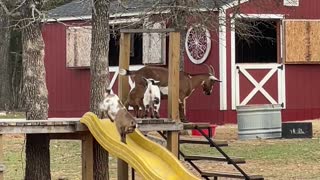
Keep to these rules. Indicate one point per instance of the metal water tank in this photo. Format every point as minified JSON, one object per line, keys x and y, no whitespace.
{"x":259,"y":121}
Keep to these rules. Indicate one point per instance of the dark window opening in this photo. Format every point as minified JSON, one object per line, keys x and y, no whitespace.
{"x":258,"y":43}
{"x":136,"y":49}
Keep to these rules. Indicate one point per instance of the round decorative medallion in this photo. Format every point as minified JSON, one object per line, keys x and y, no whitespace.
{"x":198,"y":44}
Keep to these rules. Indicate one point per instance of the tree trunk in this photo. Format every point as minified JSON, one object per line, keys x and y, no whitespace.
{"x":180,"y":23}
{"x":5,"y":93}
{"x":99,"y":76}
{"x":36,"y":95}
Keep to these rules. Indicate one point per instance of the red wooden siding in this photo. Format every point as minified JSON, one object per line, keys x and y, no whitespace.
{"x":200,"y":107}
{"x":303,"y":87}
{"x":68,"y":88}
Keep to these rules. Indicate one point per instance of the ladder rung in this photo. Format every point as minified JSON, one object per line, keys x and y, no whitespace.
{"x":198,"y":125}
{"x":230,"y":175}
{"x":237,"y":160}
{"x":184,"y":140}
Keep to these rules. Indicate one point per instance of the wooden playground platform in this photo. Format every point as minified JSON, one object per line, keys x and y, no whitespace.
{"x":71,"y":128}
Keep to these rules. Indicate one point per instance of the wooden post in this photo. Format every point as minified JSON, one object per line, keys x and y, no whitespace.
{"x":173,"y":85}
{"x":123,"y":90}
{"x":87,"y":156}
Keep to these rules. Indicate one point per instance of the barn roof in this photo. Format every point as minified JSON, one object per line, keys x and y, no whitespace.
{"x":81,"y":9}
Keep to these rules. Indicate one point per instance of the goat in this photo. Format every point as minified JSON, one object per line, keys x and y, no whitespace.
{"x":118,"y":114}
{"x":135,"y":99}
{"x":187,"y":82}
{"x":146,"y":96}
{"x":152,"y":98}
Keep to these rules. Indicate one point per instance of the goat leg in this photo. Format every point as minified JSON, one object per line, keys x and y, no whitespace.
{"x":142,"y":111}
{"x":136,"y":110}
{"x":157,"y":114}
{"x":152,"y":109}
{"x":123,"y":138}
{"x":147,"y":108}
{"x":181,"y":113}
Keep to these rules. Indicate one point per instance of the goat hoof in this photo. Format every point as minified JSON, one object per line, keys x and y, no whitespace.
{"x":184,"y":120}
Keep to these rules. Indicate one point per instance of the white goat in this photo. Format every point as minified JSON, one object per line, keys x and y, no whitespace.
{"x":118,"y":114}
{"x":152,"y":98}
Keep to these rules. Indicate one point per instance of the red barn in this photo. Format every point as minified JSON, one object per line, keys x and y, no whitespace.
{"x":280,"y":65}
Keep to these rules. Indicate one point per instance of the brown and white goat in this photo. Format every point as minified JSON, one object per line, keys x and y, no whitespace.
{"x":118,"y":114}
{"x":146,"y":97}
{"x":135,"y":99}
{"x":187,"y":82}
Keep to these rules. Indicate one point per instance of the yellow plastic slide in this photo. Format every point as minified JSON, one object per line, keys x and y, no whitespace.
{"x":150,"y":160}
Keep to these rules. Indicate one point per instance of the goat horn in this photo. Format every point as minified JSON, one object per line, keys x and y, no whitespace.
{"x":213,"y":72}
{"x":210,"y":70}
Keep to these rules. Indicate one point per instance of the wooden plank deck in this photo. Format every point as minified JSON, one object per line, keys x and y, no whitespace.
{"x":72,"y":125}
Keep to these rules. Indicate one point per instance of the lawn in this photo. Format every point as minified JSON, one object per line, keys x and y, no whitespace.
{"x":274,"y":159}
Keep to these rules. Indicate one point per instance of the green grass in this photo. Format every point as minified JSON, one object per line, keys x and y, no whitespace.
{"x":65,"y":159}
{"x":13,"y":115}
{"x":276,"y":159}
{"x":307,"y":150}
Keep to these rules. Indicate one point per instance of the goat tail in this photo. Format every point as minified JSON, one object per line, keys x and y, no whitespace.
{"x":125,"y":72}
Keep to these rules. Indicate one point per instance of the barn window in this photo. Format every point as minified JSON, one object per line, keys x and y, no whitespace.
{"x":302,"y":41}
{"x":154,"y":44}
{"x":79,"y":47}
{"x":135,"y":49}
{"x":256,"y":41}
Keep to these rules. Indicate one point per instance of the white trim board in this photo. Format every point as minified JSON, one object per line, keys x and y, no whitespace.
{"x":131,"y":67}
{"x":260,"y":16}
{"x":223,"y":60}
{"x":223,"y":52}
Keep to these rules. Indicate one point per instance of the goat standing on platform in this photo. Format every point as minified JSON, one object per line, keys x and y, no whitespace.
{"x":187,"y":82}
{"x":152,"y":98}
{"x":135,"y":99}
{"x":118,"y":114}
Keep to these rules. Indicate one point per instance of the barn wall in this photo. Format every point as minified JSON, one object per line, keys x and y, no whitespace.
{"x":200,"y":107}
{"x":68,"y":88}
{"x":302,"y":99}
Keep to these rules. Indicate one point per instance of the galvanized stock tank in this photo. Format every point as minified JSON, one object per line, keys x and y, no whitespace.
{"x":259,"y":121}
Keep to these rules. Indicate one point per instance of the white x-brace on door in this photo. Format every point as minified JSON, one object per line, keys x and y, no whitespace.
{"x":273,"y":69}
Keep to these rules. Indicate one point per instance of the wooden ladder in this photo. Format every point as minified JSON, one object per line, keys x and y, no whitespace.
{"x":217,"y":145}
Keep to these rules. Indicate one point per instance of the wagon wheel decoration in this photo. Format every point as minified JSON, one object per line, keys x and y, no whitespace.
{"x":198,"y":44}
